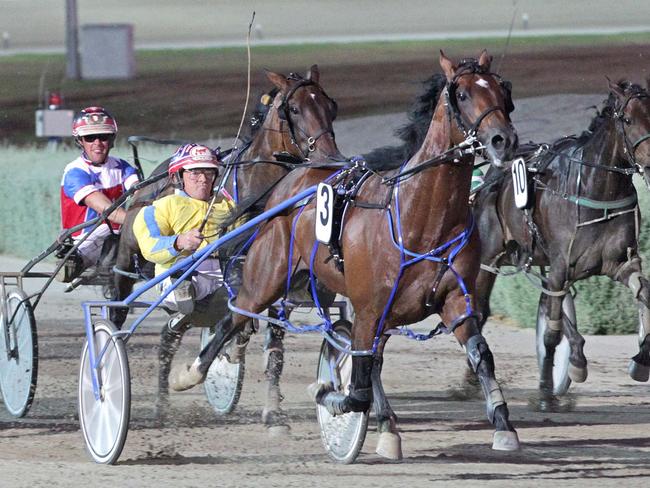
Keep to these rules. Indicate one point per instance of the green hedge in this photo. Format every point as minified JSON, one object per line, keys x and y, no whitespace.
{"x":602,"y":306}
{"x":30,"y":221}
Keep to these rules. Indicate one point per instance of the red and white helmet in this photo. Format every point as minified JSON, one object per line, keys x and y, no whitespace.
{"x":93,"y":120}
{"x":193,"y":156}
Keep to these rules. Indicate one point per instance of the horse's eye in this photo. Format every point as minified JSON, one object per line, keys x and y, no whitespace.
{"x":461,"y":96}
{"x":294,"y":110}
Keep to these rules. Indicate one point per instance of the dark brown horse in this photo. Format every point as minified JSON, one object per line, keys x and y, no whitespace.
{"x":425,"y":203}
{"x":292,"y":126}
{"x":582,"y":221}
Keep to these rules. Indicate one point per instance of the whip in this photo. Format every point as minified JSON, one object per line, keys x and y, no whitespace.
{"x":243,"y":116}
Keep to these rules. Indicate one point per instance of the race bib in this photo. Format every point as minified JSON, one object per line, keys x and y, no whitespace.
{"x":520,"y":183}
{"x":324,"y":212}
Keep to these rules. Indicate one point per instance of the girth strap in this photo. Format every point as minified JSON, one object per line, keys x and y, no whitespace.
{"x":603,"y":204}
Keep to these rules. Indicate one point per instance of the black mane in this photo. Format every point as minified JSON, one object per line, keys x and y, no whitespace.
{"x":413,"y":133}
{"x":256,"y":120}
{"x":609,"y":105}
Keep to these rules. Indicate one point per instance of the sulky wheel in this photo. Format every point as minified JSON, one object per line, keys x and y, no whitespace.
{"x":18,"y":353}
{"x":224,"y":381}
{"x":561,"y":380}
{"x":342,"y":435}
{"x":105,"y":420}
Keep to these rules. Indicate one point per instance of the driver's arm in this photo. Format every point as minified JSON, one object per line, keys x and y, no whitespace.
{"x":100,"y":202}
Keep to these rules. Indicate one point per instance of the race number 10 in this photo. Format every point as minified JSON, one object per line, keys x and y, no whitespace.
{"x":520,"y":183}
{"x":324,"y":212}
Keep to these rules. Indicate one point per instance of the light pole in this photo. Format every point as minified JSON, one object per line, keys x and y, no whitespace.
{"x":71,"y":41}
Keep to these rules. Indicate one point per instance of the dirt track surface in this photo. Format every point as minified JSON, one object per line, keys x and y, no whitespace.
{"x":600,"y":441}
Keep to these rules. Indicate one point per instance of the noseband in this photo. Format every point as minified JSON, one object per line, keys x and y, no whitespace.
{"x":284,"y":113}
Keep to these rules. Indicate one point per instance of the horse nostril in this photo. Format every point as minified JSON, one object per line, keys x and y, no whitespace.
{"x":498,"y":142}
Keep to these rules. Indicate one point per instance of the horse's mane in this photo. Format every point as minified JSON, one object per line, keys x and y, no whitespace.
{"x":414,"y":132}
{"x":609,"y":105}
{"x":261,"y":110}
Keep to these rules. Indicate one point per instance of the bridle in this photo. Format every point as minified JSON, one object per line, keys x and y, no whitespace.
{"x":470,"y":67}
{"x":284,"y":113}
{"x":470,"y":145}
{"x":630,"y":148}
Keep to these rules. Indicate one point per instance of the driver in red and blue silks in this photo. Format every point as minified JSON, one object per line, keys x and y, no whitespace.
{"x":90,"y":184}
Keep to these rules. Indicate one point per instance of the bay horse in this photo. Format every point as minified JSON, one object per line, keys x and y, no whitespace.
{"x":425,"y":203}
{"x":292,"y":124}
{"x":582,"y":221}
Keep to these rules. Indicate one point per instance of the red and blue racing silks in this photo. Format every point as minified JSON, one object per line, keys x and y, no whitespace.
{"x":81,"y":178}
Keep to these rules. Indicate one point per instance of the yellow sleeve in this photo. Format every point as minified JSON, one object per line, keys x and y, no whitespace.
{"x":153,"y":231}
{"x":221,"y":212}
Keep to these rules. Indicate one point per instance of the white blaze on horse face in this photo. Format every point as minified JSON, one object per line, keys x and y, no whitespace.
{"x":482,"y":82}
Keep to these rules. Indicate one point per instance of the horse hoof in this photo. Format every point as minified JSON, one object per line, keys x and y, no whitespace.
{"x":578,"y":375}
{"x":279,"y":431}
{"x":185,"y":376}
{"x":389,"y":446}
{"x":504,"y":440}
{"x":638,"y":372}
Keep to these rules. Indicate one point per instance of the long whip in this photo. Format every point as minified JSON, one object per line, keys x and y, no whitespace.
{"x":243,"y":116}
{"x":505,"y":49}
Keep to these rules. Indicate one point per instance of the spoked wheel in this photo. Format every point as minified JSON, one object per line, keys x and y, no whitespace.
{"x":224,"y":381}
{"x":18,"y":353}
{"x":342,"y":435}
{"x":105,"y":420}
{"x":561,"y":380}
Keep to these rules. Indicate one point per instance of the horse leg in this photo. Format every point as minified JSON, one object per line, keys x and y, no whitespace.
{"x":389,"y":444}
{"x":123,"y":287}
{"x":631,"y":275}
{"x":261,"y":287}
{"x":360,"y":396}
{"x":558,"y":323}
{"x":484,"y":285}
{"x":482,"y":363}
{"x":170,"y":340}
{"x":274,"y":355}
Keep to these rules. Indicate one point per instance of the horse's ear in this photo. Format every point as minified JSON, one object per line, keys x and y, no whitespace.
{"x":485,"y":60}
{"x":313,"y":74}
{"x":280,"y":81}
{"x":615,"y":89}
{"x":447,"y":66}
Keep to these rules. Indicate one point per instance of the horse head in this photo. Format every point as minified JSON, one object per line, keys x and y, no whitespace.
{"x":305,"y":113}
{"x":631,"y":109}
{"x":478,"y":104}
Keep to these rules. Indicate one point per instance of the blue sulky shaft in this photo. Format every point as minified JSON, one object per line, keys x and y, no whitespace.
{"x":196,"y":259}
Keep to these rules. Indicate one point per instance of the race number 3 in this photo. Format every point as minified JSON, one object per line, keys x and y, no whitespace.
{"x":520,"y":183}
{"x":324,"y":212}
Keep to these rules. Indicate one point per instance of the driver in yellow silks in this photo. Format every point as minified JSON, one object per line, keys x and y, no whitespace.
{"x":169,"y":229}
